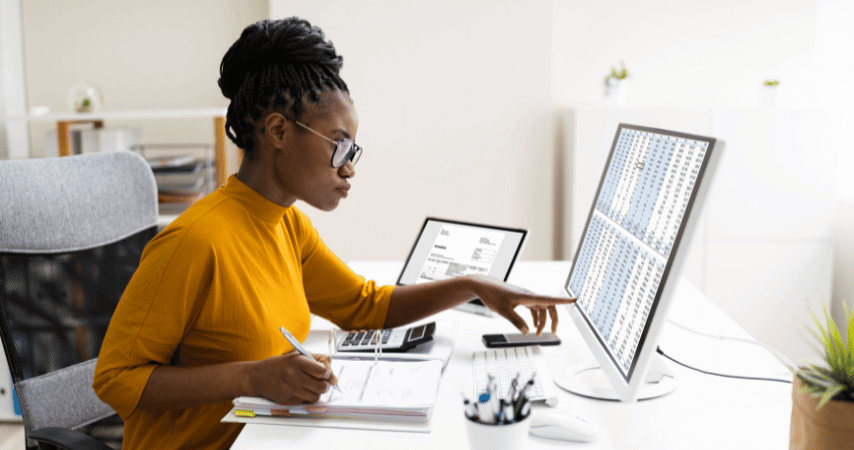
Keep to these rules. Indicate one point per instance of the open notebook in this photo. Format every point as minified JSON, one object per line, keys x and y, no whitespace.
{"x":385,"y":391}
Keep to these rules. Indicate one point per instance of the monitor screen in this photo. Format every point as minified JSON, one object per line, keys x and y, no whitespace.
{"x":632,"y":234}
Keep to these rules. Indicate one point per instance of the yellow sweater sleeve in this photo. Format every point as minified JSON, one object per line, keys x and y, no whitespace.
{"x":333,"y":291}
{"x":155,"y":312}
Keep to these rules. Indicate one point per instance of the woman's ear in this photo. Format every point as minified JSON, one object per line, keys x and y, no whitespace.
{"x":275,"y":128}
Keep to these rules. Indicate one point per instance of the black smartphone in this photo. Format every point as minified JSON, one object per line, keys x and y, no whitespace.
{"x":519,"y":340}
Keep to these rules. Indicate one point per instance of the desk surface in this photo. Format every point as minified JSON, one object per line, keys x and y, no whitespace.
{"x":705,"y":412}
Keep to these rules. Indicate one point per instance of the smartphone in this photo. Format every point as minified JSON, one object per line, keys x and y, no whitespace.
{"x":519,"y":340}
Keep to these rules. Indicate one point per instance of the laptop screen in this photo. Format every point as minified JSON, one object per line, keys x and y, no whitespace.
{"x":446,"y":249}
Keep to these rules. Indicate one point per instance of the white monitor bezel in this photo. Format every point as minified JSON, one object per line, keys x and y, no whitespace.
{"x":627,"y":387}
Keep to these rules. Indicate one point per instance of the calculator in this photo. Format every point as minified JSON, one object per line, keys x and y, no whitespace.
{"x":391,"y":340}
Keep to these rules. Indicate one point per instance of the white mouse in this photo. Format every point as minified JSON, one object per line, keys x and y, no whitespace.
{"x":563,"y":426}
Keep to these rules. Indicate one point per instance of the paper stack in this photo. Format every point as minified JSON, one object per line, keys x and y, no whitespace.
{"x":181,"y":180}
{"x":394,"y":391}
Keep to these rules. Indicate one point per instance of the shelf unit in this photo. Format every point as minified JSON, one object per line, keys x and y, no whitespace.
{"x":65,"y":120}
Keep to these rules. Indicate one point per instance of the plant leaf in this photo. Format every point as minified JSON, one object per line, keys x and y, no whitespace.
{"x":838,"y":345}
{"x":829,"y":394}
{"x":824,"y":338}
{"x":849,"y":314}
{"x":815,"y":378}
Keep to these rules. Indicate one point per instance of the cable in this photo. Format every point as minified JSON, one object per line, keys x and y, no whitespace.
{"x":658,"y":349}
{"x":786,"y":361}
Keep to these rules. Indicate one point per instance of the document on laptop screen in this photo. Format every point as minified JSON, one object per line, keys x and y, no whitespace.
{"x":460,"y":250}
{"x":448,"y":249}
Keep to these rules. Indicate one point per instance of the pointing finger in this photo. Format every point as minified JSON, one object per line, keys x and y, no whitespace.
{"x":553,"y":315}
{"x":536,"y":300}
{"x":541,"y":321}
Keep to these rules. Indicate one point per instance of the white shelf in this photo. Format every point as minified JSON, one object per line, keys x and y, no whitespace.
{"x":197,"y":113}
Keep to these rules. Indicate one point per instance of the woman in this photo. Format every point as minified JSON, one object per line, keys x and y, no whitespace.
{"x":197,"y":324}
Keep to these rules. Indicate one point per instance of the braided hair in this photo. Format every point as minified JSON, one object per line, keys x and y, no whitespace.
{"x":275,"y":65}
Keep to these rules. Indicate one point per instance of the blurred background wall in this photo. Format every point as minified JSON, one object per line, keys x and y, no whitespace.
{"x":463,"y":110}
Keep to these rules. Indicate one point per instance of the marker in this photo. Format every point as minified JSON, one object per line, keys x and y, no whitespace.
{"x":300,"y":349}
{"x":508,"y":413}
{"x":511,"y":393}
{"x":484,"y":409}
{"x":523,"y":397}
{"x":470,"y":409}
{"x":526,"y":409}
{"x":495,"y":400}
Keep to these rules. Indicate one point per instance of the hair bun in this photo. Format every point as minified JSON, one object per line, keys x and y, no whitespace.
{"x":290,"y":41}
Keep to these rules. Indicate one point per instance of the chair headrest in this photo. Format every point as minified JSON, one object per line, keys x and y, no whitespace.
{"x":56,"y":205}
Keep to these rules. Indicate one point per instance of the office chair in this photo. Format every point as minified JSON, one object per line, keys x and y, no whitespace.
{"x":72,"y":231}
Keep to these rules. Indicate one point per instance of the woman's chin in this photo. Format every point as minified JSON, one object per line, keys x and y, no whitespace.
{"x":328,"y":205}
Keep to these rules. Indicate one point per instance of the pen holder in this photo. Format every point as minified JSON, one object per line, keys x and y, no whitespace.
{"x":493,"y":436}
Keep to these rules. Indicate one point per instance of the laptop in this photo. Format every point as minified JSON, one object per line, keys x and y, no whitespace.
{"x":448,"y":248}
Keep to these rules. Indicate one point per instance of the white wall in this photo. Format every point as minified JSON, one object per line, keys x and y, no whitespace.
{"x":456,"y":98}
{"x":699,"y":53}
{"x":714,"y":56}
{"x":454,"y":102}
{"x":156,"y":54}
{"x":14,"y":139}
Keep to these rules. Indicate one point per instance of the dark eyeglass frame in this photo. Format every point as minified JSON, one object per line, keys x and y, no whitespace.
{"x":346,"y":149}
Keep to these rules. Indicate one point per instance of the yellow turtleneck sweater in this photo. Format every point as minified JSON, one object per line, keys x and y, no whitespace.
{"x":214,"y":287}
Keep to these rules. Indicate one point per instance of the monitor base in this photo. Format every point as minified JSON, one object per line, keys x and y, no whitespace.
{"x":587,"y":379}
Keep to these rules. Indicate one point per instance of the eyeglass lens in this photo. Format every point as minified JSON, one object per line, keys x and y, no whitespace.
{"x":346,"y":150}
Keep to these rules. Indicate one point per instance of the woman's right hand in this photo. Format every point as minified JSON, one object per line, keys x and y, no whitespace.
{"x":292,"y":378}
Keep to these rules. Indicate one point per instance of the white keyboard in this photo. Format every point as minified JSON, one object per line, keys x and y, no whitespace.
{"x":504,"y":363}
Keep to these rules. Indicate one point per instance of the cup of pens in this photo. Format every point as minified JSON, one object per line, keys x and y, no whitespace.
{"x":496,"y":423}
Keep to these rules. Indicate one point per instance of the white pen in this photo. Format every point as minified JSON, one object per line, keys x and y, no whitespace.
{"x":300,"y":349}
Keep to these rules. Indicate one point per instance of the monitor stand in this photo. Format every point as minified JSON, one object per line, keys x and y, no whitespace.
{"x":587,"y":379}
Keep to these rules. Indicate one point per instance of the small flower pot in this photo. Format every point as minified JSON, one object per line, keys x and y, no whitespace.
{"x":831,"y":427}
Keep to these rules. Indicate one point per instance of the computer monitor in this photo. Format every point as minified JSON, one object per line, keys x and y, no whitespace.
{"x":627,"y":265}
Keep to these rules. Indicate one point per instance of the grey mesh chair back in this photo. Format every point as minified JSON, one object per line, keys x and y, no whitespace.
{"x":71,"y":234}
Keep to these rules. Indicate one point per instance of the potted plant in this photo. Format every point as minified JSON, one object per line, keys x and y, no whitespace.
{"x":768,"y":96}
{"x":823,"y":395}
{"x":616,"y":88}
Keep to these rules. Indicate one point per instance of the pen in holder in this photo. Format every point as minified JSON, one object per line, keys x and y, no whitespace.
{"x":498,"y":424}
{"x":497,"y":436}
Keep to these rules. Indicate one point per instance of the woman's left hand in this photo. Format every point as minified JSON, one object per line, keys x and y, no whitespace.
{"x":503,"y":298}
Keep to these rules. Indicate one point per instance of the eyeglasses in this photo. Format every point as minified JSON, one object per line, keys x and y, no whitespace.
{"x":345,"y":149}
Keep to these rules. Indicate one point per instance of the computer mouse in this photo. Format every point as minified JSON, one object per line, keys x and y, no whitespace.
{"x":562,"y":426}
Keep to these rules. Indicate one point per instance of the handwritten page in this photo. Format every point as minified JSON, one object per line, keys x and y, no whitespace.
{"x":368,"y":386}
{"x":384,"y":384}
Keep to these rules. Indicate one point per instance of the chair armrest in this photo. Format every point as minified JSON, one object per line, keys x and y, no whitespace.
{"x":66,"y":439}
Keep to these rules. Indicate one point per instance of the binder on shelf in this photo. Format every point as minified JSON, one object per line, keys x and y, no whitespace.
{"x":184,"y":173}
{"x":182,"y":182}
{"x":164,"y":163}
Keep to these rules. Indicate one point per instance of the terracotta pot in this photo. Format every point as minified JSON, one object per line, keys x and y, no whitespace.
{"x":831,"y":427}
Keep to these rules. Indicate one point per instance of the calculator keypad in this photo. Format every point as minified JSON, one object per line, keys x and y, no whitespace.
{"x":356,"y":338}
{"x":357,"y":341}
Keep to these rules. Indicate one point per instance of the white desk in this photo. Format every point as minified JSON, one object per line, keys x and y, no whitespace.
{"x":705,"y":412}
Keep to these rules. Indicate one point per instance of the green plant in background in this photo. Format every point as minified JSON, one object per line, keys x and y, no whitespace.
{"x":836,"y":380}
{"x":772,"y":83}
{"x":83,"y":106}
{"x":615,"y":74}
